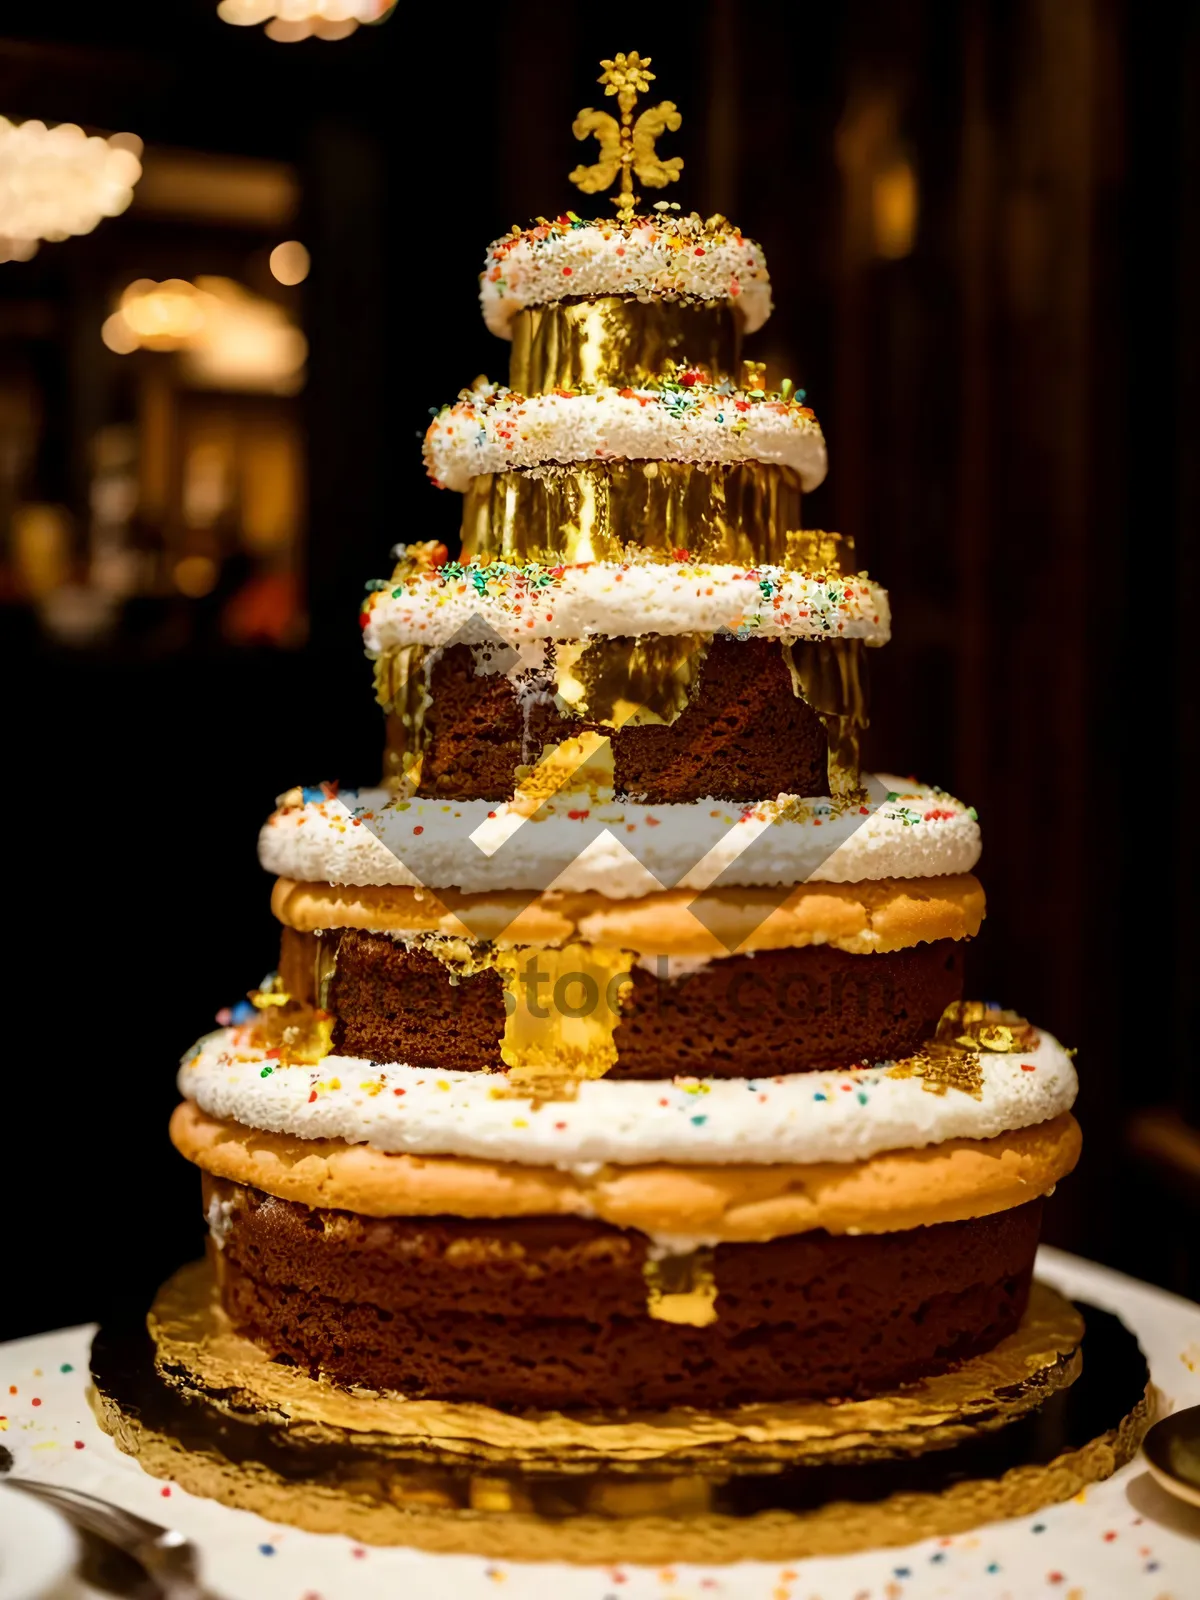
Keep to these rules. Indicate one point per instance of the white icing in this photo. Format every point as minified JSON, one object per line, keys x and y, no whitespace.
{"x":660,"y":258}
{"x":806,"y":1117}
{"x":671,"y":968}
{"x":619,"y":849}
{"x":621,"y":600}
{"x":220,"y":1219}
{"x":490,"y":429}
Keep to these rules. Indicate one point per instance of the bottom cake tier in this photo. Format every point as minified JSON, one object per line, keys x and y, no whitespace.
{"x":561,"y":1312}
{"x":1049,"y":1411}
{"x":484,"y":1238}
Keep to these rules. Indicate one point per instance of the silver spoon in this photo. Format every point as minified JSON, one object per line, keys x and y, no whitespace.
{"x":1172,"y":1450}
{"x":167,"y":1555}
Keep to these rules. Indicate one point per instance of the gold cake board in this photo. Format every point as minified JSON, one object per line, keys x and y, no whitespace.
{"x":1031,"y":1423}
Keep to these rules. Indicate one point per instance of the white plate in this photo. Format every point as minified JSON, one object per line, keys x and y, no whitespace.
{"x":38,"y":1548}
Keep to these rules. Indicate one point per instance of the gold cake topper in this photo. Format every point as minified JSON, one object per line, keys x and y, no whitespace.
{"x":627,"y":147}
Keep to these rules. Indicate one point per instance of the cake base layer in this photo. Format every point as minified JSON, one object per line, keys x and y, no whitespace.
{"x":773,"y":1012}
{"x":1003,"y":1435}
{"x":565,"y":1313}
{"x":743,"y":733}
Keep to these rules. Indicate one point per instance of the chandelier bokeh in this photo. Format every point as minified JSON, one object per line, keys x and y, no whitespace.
{"x":56,"y":182}
{"x":227,"y":337}
{"x":288,"y":21}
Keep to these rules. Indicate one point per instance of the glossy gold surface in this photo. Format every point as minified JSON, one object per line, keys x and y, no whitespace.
{"x":402,"y":688}
{"x":745,"y":512}
{"x":629,"y":683}
{"x":682,"y":1288}
{"x":562,"y":1006}
{"x":831,"y":675}
{"x":592,"y":344}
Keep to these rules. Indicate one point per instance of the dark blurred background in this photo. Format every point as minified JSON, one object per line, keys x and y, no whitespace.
{"x":983,"y":228}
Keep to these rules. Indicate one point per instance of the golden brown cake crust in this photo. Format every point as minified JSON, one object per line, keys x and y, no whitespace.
{"x":859,"y":918}
{"x":959,"y":1179}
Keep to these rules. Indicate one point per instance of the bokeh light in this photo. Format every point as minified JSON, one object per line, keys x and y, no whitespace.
{"x":289,"y":21}
{"x":56,"y":182}
{"x":290,"y":262}
{"x":163,"y":316}
{"x":894,"y":210}
{"x":195,"y":576}
{"x":229,"y":338}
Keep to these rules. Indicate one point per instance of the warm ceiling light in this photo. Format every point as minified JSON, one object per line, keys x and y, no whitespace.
{"x":55,"y":182}
{"x":118,"y":336}
{"x":288,"y":21}
{"x":229,"y":338}
{"x":248,"y":342}
{"x":290,"y":262}
{"x":163,"y":316}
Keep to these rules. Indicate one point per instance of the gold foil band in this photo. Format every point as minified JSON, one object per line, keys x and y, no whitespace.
{"x":649,"y":680}
{"x":592,"y":344}
{"x":831,"y":676}
{"x":745,"y":512}
{"x":402,"y":678}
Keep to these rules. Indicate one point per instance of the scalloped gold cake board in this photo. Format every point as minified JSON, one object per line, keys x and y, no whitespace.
{"x":1002,"y":1435}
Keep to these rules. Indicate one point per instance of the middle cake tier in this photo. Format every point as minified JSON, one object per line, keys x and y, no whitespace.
{"x":731,"y":985}
{"x":658,"y":680}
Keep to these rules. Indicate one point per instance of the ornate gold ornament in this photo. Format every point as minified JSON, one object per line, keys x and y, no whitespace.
{"x":627,"y":147}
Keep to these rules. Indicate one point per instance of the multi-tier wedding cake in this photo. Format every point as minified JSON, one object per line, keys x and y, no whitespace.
{"x":617,"y":1055}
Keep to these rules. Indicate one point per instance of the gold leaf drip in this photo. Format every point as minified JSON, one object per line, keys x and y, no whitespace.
{"x":974,"y":1025}
{"x":831,"y":676}
{"x":682,"y":1288}
{"x":562,"y":1006}
{"x":629,"y":683}
{"x":301,"y":1034}
{"x":402,"y":687}
{"x":325,"y":955}
{"x":580,"y":765}
{"x":953,"y":1058}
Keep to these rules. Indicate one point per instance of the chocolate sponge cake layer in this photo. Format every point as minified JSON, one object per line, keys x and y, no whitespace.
{"x":554,"y":1312}
{"x":743,"y":735}
{"x":773,"y":1012}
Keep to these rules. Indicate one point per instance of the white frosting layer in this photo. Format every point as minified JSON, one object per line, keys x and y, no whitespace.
{"x":618,"y":849}
{"x":807,"y":1117}
{"x":456,"y":604}
{"x":491,"y":429}
{"x":653,"y":257}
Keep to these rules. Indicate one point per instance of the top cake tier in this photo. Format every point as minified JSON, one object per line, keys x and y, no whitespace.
{"x":664,"y":260}
{"x":630,"y":422}
{"x":589,"y":306}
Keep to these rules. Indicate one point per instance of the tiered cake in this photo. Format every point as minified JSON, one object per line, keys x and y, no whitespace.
{"x":617,"y":1055}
